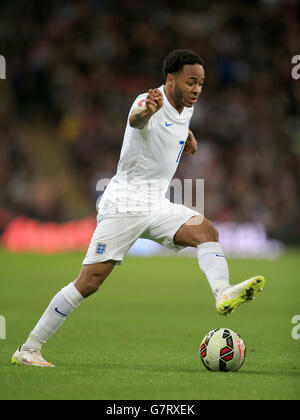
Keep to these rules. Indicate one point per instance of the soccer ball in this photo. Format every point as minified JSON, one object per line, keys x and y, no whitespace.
{"x":222,"y":350}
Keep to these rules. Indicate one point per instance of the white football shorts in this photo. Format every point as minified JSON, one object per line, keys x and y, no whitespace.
{"x":116,"y":233}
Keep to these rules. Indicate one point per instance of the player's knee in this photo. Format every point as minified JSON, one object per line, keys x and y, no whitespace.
{"x":208,"y":233}
{"x":92,"y":276}
{"x":213,"y":234}
{"x":94,"y":281}
{"x":89,"y":283}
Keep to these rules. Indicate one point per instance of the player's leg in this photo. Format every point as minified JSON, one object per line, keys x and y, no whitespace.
{"x":60,"y":307}
{"x":109,"y":244}
{"x":200,"y":233}
{"x":70,"y":297}
{"x":177,"y":227}
{"x":92,"y":276}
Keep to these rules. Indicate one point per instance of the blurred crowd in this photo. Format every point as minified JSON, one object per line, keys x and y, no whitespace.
{"x":74,"y":68}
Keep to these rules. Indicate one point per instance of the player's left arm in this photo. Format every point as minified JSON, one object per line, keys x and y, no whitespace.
{"x":190,"y":146}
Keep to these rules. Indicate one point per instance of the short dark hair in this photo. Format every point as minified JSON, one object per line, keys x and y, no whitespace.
{"x":176,"y":59}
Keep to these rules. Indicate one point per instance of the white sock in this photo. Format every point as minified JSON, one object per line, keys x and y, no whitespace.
{"x":214,"y":265}
{"x":63,"y":303}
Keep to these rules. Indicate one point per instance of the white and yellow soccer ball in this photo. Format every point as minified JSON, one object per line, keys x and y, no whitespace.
{"x":222,"y":350}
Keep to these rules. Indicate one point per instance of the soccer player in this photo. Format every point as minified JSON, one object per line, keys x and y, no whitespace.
{"x":134,"y":204}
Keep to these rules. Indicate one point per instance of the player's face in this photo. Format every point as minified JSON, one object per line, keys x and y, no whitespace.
{"x":188,"y":85}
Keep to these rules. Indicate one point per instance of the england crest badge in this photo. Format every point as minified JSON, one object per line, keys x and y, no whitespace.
{"x":100,"y":248}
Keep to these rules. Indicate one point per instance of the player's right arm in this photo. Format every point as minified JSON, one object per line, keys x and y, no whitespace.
{"x":140,"y":116}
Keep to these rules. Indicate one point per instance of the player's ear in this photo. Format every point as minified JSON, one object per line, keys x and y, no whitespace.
{"x":170,"y":80}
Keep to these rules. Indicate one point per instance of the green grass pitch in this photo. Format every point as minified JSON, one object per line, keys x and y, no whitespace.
{"x":138,"y":337}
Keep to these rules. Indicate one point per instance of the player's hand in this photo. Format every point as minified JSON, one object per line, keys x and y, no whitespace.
{"x":154,"y":100}
{"x":190,"y":146}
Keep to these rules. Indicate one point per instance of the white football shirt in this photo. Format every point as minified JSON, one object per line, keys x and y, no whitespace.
{"x":148,"y":160}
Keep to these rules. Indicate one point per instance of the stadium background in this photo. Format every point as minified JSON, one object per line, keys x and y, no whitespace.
{"x":74,"y":68}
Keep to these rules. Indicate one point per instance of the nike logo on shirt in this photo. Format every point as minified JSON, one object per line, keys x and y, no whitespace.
{"x":168,"y":125}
